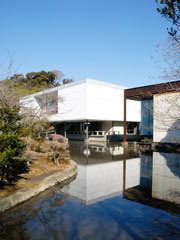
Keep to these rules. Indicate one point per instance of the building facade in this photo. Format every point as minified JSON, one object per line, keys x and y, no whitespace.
{"x":87,"y":109}
{"x":160,"y":111}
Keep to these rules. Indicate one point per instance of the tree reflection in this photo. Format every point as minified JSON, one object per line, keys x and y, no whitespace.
{"x":15,"y":223}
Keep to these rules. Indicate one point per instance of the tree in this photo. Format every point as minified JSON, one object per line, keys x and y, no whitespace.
{"x":67,"y":80}
{"x":170,"y":54}
{"x":13,"y":125}
{"x":16,"y":77}
{"x":170,"y":9}
{"x":59,"y":76}
{"x":11,"y":162}
{"x":41,"y":78}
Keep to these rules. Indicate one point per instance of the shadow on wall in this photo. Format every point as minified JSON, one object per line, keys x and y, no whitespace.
{"x":172,"y":162}
{"x":172,"y":133}
{"x":171,"y":145}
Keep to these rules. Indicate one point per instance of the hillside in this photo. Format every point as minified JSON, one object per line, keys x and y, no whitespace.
{"x":21,"y":85}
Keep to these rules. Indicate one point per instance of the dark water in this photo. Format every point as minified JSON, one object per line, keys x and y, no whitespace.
{"x":111,"y":198}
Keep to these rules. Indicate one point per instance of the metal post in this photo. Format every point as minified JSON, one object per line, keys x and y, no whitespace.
{"x":124,"y":169}
{"x":125,"y":124}
{"x":87,"y":129}
{"x":65,"y":129}
{"x":87,"y":150}
{"x":55,"y":128}
{"x":55,"y":107}
{"x":112,"y":127}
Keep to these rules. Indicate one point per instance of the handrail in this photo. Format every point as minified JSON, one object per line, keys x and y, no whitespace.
{"x":102,"y":133}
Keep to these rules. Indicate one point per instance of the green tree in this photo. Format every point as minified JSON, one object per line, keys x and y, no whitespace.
{"x":11,"y":162}
{"x":170,"y":9}
{"x":42,"y":78}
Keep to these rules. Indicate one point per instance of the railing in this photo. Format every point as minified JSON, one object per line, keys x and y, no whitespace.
{"x":91,"y":133}
{"x":97,"y":133}
{"x":102,"y":133}
{"x":113,"y":133}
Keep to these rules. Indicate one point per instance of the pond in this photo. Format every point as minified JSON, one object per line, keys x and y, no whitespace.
{"x":117,"y":194}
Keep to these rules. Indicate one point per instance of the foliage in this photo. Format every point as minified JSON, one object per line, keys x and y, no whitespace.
{"x":11,"y":162}
{"x":170,"y":9}
{"x":9,"y":118}
{"x":169,"y":54}
{"x":31,"y":83}
{"x":34,"y":125}
{"x":41,"y":78}
{"x":53,"y":150}
{"x":67,"y":80}
{"x":59,"y":76}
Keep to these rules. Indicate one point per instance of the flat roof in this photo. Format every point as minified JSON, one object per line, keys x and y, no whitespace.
{"x":85,"y":80}
{"x":145,"y":92}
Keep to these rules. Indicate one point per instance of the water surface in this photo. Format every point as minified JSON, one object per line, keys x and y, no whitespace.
{"x":117,"y":195}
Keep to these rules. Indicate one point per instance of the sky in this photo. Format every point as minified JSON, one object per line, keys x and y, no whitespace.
{"x":108,"y":40}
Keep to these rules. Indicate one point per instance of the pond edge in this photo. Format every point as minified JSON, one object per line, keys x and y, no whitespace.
{"x":25,"y":194}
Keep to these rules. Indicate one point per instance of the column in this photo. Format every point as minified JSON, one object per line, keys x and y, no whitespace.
{"x":87,"y":129}
{"x":65,"y":129}
{"x":125,"y":124}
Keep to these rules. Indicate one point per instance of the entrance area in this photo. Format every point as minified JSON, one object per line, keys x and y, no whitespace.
{"x":97,"y":130}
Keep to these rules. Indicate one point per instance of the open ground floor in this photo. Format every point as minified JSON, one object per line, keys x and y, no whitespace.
{"x":97,"y":130}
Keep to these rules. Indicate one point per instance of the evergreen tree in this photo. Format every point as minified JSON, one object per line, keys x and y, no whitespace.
{"x":11,"y":147}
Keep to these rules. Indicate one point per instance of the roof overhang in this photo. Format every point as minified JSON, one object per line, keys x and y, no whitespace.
{"x":146,"y":92}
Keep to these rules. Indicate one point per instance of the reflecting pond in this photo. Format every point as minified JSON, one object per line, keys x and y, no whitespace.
{"x":117,"y":194}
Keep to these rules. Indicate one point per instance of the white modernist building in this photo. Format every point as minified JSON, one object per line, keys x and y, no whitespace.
{"x":87,"y":109}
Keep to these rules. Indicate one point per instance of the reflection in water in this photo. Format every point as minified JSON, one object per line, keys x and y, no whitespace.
{"x":146,"y":172}
{"x":98,"y":177}
{"x":21,"y":221}
{"x":104,"y":214}
{"x":159,"y":179}
{"x":166,"y":177}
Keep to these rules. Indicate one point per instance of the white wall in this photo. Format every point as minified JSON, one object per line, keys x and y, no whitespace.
{"x":166,"y":125}
{"x":93,"y":100}
{"x":30,"y":103}
{"x":73,"y":106}
{"x":98,"y":181}
{"x":107,"y":103}
{"x":133,"y":111}
{"x":104,"y":102}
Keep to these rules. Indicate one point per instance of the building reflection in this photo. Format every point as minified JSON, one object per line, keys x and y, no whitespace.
{"x":159,"y":181}
{"x":166,"y":177}
{"x":100,"y":172}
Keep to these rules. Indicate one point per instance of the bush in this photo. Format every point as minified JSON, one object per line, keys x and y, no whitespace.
{"x":58,"y":153}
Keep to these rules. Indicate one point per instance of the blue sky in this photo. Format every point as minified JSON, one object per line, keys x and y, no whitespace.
{"x":107,"y":40}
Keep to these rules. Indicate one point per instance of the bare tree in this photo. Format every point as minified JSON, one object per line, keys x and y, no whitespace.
{"x":34,"y":120}
{"x":169,"y":59}
{"x":59,"y":75}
